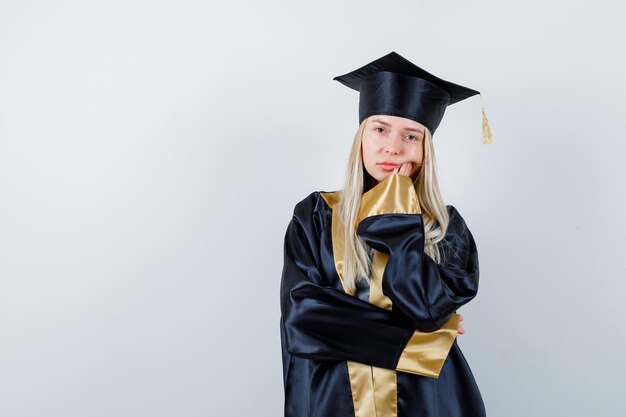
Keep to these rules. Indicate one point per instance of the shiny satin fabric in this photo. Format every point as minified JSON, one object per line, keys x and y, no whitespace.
{"x":323,"y":329}
{"x":395,"y":86}
{"x":403,"y":96}
{"x":395,"y":195}
{"x":374,"y":390}
{"x":426,"y":352}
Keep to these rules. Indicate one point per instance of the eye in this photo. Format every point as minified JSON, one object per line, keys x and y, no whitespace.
{"x":413,"y":138}
{"x":382,"y":129}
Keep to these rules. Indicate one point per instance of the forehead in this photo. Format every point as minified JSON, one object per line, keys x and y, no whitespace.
{"x":397,"y":122}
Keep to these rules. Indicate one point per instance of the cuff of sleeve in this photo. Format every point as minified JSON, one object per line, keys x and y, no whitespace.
{"x":394,"y":194}
{"x":426,"y":352}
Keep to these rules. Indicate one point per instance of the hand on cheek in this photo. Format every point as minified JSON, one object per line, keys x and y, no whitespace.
{"x":404,"y":169}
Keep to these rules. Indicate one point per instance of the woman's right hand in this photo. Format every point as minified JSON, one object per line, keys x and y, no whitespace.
{"x":461,"y":329}
{"x":404,"y":169}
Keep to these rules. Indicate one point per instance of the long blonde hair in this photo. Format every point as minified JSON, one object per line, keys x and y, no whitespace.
{"x":357,"y":264}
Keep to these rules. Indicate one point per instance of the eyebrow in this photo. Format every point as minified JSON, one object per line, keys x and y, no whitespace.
{"x":387,"y":124}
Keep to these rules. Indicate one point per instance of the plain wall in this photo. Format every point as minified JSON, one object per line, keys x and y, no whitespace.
{"x":151,"y":154}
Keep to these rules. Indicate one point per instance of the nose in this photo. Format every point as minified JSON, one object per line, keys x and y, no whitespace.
{"x":393,"y":145}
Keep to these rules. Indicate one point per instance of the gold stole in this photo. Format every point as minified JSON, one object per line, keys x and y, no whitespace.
{"x":374,"y":390}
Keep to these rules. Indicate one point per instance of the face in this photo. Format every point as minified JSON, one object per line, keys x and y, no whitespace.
{"x":390,"y":141}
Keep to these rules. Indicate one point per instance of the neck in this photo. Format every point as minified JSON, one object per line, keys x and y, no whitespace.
{"x":369,"y":182}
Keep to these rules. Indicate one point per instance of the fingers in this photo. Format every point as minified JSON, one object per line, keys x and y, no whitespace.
{"x":404,"y":169}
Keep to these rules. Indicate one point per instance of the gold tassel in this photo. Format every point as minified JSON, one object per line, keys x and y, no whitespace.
{"x":487,"y":135}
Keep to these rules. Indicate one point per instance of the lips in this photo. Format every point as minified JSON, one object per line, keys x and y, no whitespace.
{"x":389,"y":166}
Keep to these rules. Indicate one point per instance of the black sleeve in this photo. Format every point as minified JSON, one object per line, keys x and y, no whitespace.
{"x":324,"y":323}
{"x":426,"y":292}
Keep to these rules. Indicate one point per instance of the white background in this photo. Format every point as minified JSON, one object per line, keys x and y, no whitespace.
{"x":151,"y":154}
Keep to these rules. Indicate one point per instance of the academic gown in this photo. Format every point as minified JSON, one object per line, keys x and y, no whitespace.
{"x":396,"y":354}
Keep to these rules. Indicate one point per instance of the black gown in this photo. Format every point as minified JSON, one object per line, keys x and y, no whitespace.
{"x":395,"y":355}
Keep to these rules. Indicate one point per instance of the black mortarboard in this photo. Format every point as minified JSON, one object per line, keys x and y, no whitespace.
{"x":392,"y":85}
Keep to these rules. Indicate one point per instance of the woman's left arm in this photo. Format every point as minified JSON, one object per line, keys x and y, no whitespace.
{"x":428,"y":293}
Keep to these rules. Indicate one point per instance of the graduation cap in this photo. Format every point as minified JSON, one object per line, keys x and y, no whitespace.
{"x":393,"y":85}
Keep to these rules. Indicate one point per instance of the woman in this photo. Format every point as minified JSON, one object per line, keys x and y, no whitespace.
{"x":374,"y":273}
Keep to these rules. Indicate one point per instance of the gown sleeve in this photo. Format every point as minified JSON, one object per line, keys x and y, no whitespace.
{"x":324,"y":323}
{"x":426,"y":292}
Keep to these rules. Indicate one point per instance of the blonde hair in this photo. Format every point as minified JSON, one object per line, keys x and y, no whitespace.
{"x":357,"y":264}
